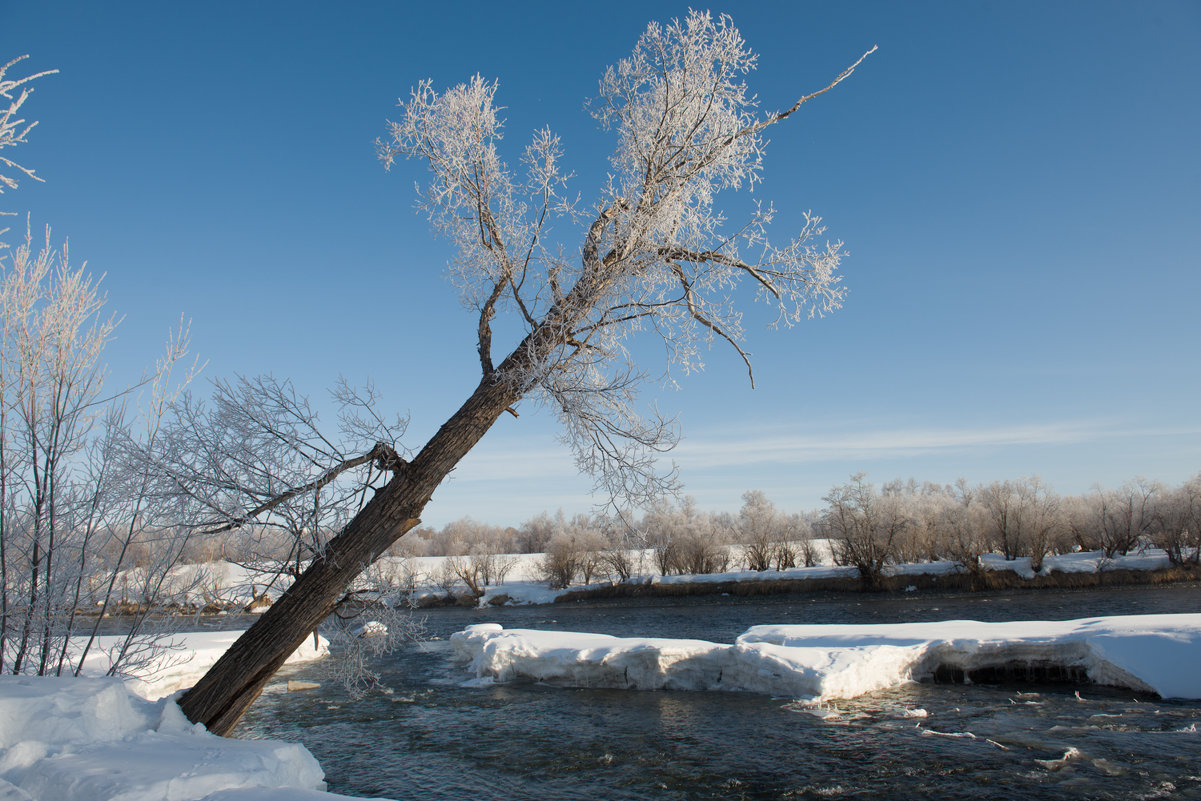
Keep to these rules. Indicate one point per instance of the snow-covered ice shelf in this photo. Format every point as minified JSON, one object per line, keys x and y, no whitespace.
{"x":1147,"y":653}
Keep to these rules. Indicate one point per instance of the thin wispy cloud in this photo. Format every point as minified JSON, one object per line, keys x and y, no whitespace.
{"x":511,"y":478}
{"x":783,"y":446}
{"x":509,"y":460}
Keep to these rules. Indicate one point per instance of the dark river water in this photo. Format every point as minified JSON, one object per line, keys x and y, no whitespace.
{"x":426,"y":737}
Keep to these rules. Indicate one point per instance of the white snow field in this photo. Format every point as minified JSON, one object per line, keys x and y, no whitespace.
{"x":94,"y":739}
{"x":821,"y":663}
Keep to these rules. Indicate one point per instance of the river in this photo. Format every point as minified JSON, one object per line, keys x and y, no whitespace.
{"x":426,"y":737}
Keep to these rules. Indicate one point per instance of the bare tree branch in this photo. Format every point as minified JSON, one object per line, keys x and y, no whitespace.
{"x":384,"y":456}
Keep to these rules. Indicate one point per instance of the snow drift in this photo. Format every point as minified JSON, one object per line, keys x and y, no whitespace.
{"x":1146,"y":653}
{"x":91,"y":739}
{"x":101,"y":739}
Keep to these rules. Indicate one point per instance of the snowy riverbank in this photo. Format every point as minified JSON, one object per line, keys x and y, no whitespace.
{"x":430,"y":580}
{"x":92,"y":739}
{"x":523,"y":584}
{"x":820,"y":663}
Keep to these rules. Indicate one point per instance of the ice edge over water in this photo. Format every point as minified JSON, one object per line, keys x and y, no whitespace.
{"x":818,"y":663}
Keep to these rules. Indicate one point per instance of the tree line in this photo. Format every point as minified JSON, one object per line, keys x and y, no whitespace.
{"x":859,"y":525}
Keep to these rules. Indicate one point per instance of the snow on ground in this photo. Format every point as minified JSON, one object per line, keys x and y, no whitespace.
{"x":1082,"y":562}
{"x":99,"y":739}
{"x":72,"y":739}
{"x":819,"y":663}
{"x":789,"y":574}
{"x":524,"y":586}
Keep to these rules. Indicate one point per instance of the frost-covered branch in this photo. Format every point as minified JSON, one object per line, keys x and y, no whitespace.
{"x":384,"y":457}
{"x":13,"y":128}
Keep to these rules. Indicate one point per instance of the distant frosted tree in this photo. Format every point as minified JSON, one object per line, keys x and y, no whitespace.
{"x":962,"y":526}
{"x":655,"y":253}
{"x":762,"y":530}
{"x":1126,"y":515}
{"x":1023,"y":516}
{"x":864,"y":526}
{"x":1178,"y":522}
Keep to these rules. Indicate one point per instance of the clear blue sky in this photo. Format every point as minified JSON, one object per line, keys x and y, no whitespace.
{"x":1018,"y":185}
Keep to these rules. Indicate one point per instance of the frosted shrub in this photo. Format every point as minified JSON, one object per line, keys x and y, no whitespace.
{"x":358,"y":636}
{"x":1125,"y":517}
{"x":761,"y":530}
{"x":697,"y":554}
{"x":561,"y":562}
{"x":619,"y":563}
{"x":1178,"y":522}
{"x":864,"y":526}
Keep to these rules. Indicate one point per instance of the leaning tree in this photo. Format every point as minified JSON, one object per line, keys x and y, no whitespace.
{"x":655,"y":254}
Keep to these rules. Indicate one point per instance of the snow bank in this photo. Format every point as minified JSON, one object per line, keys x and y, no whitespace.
{"x":789,"y":574}
{"x":1148,"y":653}
{"x":91,"y":740}
{"x":1083,"y":562}
{"x":101,"y":739}
{"x":586,"y":660}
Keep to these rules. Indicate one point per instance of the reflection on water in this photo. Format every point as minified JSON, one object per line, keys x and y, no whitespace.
{"x":426,"y":737}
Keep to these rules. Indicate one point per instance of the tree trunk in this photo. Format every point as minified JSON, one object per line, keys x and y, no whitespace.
{"x":228,"y":689}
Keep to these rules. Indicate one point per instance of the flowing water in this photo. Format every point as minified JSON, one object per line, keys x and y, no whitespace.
{"x":426,"y":737}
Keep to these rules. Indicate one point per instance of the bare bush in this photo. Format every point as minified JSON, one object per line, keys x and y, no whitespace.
{"x":560,"y":562}
{"x":685,"y":540}
{"x":1178,"y":522}
{"x":467,"y":570}
{"x":919,"y":540}
{"x":1000,"y":505}
{"x":535,"y":534}
{"x":864,"y":526}
{"x":962,"y":527}
{"x":618,"y":562}
{"x":1126,"y":516}
{"x":762,"y":531}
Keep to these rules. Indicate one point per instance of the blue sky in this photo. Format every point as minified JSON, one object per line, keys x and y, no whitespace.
{"x":1016,"y":184}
